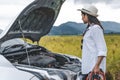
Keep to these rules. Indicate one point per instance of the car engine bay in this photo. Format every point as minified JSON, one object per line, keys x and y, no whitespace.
{"x":39,"y":56}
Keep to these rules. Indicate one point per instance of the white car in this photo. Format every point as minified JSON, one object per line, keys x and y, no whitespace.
{"x":22,"y":61}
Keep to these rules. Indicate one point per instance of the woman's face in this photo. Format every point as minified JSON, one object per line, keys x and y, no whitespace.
{"x":84,"y":18}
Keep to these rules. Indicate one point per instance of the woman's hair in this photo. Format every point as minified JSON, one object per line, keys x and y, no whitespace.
{"x":93,"y":19}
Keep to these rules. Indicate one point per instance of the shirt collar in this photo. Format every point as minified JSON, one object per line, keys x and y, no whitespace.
{"x":91,"y":25}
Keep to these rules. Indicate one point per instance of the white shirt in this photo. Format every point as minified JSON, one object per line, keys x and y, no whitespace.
{"x":93,"y":46}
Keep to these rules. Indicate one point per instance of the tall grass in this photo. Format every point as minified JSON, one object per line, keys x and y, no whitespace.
{"x":71,"y":45}
{"x":62,"y":44}
{"x":113,"y":58}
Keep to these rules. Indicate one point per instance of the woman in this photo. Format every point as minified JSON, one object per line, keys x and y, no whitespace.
{"x":94,"y":46}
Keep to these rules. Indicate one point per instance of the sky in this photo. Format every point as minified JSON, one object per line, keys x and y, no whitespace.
{"x":108,"y":10}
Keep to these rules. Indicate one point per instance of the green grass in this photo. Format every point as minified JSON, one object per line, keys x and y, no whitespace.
{"x":71,"y":45}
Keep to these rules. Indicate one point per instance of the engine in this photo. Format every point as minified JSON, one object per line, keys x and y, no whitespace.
{"x":40,"y":57}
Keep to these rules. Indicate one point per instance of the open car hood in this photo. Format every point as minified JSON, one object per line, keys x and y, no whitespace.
{"x":34,"y":21}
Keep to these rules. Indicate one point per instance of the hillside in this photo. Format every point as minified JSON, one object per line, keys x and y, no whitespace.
{"x":73,"y":28}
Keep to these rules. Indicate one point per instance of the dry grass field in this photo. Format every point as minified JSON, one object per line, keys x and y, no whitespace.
{"x":71,"y":45}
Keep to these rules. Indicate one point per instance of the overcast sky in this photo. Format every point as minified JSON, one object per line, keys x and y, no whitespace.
{"x":109,"y":10}
{"x":112,"y":3}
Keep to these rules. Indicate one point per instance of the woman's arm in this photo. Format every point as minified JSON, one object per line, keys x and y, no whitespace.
{"x":96,"y":68}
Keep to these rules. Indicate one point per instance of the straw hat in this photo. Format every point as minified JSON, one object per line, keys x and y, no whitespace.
{"x":89,"y":9}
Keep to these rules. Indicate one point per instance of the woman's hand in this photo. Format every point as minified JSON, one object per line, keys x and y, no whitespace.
{"x":96,"y":69}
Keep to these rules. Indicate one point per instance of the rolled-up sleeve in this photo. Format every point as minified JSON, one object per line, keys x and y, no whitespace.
{"x":98,"y":38}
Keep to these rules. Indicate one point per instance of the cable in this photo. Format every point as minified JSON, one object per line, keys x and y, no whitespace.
{"x":93,"y":76}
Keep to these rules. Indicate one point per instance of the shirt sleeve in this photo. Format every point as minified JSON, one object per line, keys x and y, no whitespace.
{"x":98,"y":38}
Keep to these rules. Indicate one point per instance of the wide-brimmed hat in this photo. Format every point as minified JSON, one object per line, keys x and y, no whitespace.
{"x":89,"y":9}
